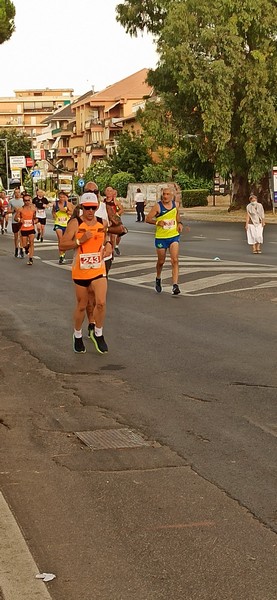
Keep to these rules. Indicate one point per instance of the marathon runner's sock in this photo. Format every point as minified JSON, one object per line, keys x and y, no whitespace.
{"x":77,"y":334}
{"x":98,"y":331}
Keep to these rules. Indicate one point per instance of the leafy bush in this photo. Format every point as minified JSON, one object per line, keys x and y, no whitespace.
{"x":154,"y":174}
{"x":187,"y":182}
{"x":195,"y":197}
{"x":120,"y":182}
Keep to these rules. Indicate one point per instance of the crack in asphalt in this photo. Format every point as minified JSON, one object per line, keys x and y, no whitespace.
{"x":258,"y":385}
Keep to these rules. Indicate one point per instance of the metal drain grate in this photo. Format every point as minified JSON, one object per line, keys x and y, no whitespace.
{"x":103,"y":439}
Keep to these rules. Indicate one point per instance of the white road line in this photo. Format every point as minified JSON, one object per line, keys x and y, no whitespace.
{"x":54,"y":263}
{"x":224,"y":239}
{"x":208,"y":282}
{"x":18,"y":569}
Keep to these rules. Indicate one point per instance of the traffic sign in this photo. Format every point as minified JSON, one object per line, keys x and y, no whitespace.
{"x":35,"y":173}
{"x":81,"y":182}
{"x":17,"y":162}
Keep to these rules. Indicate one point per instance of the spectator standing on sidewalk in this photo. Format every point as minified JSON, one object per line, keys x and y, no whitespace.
{"x":140,"y":204}
{"x":255,"y":222}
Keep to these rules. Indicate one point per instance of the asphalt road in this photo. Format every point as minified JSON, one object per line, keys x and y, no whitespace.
{"x":195,"y":375}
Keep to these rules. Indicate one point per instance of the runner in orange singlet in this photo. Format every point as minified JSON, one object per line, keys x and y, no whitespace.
{"x":86,"y":235}
{"x":27,"y":217}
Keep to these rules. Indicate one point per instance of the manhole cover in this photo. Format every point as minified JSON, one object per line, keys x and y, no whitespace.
{"x":104,"y":439}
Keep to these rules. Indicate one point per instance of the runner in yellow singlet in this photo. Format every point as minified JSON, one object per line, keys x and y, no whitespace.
{"x":165,"y":215}
{"x":61,"y":212}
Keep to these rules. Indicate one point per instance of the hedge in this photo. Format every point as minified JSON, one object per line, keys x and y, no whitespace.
{"x":195,"y":198}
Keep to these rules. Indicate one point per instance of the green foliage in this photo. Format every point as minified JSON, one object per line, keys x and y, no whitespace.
{"x":195,"y":198}
{"x":7,"y":14}
{"x":137,"y":15}
{"x":28,"y":184}
{"x":100,"y":172}
{"x":120,"y":181}
{"x":192,"y":183}
{"x":217,"y":76}
{"x":131,"y":155}
{"x":18,"y":145}
{"x":155,"y":174}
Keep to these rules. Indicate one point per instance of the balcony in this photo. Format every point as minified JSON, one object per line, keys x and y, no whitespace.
{"x":64,"y":151}
{"x":78,"y":150}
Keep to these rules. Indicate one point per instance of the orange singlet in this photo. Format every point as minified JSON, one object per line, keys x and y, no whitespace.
{"x":88,"y":260}
{"x":27,"y":215}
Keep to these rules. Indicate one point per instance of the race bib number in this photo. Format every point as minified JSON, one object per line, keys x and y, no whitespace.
{"x":169,"y":223}
{"x":28,"y":223}
{"x":62,"y":221}
{"x":90,"y":261}
{"x":40,"y":212}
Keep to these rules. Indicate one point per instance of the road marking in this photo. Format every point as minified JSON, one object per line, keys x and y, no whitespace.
{"x":141,"y":271}
{"x":18,"y":569}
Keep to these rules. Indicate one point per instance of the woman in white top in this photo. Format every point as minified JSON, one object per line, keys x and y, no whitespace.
{"x":255,"y":222}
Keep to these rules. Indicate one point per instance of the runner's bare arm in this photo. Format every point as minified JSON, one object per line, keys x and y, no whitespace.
{"x":179,"y":222}
{"x":120,"y":209}
{"x":68,"y":240}
{"x":153,"y":214}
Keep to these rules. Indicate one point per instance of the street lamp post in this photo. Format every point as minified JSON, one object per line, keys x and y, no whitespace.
{"x":7,"y":159}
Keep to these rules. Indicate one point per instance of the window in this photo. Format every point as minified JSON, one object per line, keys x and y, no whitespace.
{"x":33,"y":120}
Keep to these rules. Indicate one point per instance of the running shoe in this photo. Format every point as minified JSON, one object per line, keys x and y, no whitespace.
{"x":90,"y":329}
{"x":78,"y":345}
{"x":6,"y":230}
{"x":16,"y":253}
{"x":175,"y":290}
{"x":38,"y":237}
{"x":61,"y":259}
{"x":158,"y":286}
{"x":30,"y":261}
{"x":21,"y":253}
{"x":99,"y":342}
{"x":41,"y":239}
{"x":2,"y":231}
{"x":117,"y":251}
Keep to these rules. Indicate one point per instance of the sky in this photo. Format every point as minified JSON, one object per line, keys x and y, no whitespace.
{"x":61,"y":44}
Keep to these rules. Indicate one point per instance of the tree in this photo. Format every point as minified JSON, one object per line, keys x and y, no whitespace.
{"x":120,"y":182}
{"x":18,"y":145}
{"x":7,"y":14}
{"x":131,"y":155}
{"x":217,"y":76}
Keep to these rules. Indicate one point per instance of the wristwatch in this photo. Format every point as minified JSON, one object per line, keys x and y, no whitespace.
{"x":78,"y":242}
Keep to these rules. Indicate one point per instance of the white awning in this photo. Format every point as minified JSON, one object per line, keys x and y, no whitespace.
{"x":56,"y":142}
{"x":112,"y":106}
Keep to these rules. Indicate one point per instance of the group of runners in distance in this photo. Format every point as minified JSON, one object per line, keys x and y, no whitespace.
{"x":93,"y":229}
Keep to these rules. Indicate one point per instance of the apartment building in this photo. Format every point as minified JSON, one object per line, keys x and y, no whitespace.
{"x":55,"y":137}
{"x":99,"y":118}
{"x":28,"y":108}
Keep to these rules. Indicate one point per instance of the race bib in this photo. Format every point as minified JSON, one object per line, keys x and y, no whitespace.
{"x":90,"y":261}
{"x":40,"y":212}
{"x":169,"y":223}
{"x":28,"y":223}
{"x":63,"y":221}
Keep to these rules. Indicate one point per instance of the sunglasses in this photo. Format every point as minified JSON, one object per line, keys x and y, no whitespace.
{"x":86,"y":207}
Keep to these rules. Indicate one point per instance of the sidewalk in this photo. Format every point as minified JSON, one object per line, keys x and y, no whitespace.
{"x":219,"y":212}
{"x":132,"y":524}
